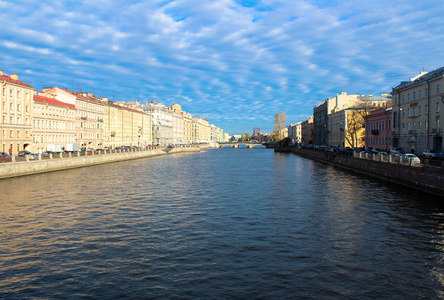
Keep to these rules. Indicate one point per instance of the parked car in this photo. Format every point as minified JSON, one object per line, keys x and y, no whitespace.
{"x":429,"y":154}
{"x":440,"y":156}
{"x":23,"y":153}
{"x":395,"y":150}
{"x":5,"y":157}
{"x":33,"y":156}
{"x":412,"y":157}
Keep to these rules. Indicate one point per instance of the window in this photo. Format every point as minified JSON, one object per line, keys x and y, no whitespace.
{"x":4,"y":91}
{"x":18,"y":94}
{"x":396,"y":100}
{"x":27,"y":121}
{"x":27,"y":108}
{"x":419,"y":110}
{"x":11,"y":93}
{"x":403,"y":128}
{"x":11,"y":120}
{"x":403,"y":113}
{"x":27,"y":96}
{"x":4,"y":105}
{"x":403,"y":99}
{"x":426,"y":125}
{"x":4,"y":133}
{"x":413,"y":111}
{"x":408,"y":112}
{"x":419,"y":94}
{"x":11,"y":106}
{"x":419,"y":126}
{"x":408,"y":97}
{"x":18,"y":107}
{"x":11,"y":133}
{"x":18,"y":133}
{"x":437,"y":89}
{"x":426,"y":92}
{"x":437,"y":106}
{"x":414,"y":96}
{"x":426,"y":109}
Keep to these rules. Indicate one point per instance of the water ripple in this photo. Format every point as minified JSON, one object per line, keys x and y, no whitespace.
{"x":224,"y":223}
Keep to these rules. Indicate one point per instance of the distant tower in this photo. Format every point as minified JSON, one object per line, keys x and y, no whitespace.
{"x":256,"y":131}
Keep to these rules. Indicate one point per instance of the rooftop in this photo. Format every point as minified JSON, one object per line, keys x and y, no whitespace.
{"x":421,"y":78}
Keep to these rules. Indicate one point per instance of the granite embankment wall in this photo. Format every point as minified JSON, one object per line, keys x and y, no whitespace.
{"x":14,"y":169}
{"x":422,"y":177}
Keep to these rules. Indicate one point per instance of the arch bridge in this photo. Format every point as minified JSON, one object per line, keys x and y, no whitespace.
{"x":236,"y":144}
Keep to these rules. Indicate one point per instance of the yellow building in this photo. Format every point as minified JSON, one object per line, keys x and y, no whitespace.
{"x":125,"y":125}
{"x":201,"y":130}
{"x":188,"y":127}
{"x":346,"y":123}
{"x":53,"y":123}
{"x":16,"y":114}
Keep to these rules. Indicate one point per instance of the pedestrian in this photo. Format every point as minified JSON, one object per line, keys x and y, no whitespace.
{"x":10,"y":151}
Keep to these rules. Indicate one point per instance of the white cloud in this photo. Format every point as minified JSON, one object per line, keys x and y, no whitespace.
{"x":222,"y":57}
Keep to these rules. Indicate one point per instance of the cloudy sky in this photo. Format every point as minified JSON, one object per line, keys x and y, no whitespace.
{"x":234,"y":62}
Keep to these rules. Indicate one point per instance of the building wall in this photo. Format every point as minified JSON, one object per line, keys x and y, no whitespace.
{"x":418,"y":113}
{"x":201,"y":130}
{"x":53,"y":123}
{"x":16,"y":109}
{"x":378,"y":129}
{"x":89,"y":115}
{"x":307,"y":131}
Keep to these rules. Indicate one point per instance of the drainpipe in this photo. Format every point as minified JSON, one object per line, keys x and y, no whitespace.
{"x":428,"y":114}
{"x":3,"y":83}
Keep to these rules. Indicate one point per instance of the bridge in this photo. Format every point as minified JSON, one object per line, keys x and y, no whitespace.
{"x":236,"y":144}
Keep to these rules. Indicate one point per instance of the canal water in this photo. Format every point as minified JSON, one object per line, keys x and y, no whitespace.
{"x":220,"y":224}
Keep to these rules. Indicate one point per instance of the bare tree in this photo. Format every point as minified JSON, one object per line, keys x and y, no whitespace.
{"x":355,"y":131}
{"x":280,"y":122}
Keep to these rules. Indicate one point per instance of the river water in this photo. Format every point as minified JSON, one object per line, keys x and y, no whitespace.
{"x":220,"y":224}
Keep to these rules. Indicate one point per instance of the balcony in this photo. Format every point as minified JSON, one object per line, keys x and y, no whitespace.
{"x":375,"y":131}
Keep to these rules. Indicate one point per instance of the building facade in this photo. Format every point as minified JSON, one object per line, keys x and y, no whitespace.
{"x":323,"y":110}
{"x":418,"y":111}
{"x":54,"y":122}
{"x":307,"y":131}
{"x":89,"y":115}
{"x":162,"y":122}
{"x":201,"y":130}
{"x":378,"y":129}
{"x":16,"y":98}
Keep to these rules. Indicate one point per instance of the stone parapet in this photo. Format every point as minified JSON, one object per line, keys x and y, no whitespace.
{"x":421,"y":177}
{"x":15,"y":169}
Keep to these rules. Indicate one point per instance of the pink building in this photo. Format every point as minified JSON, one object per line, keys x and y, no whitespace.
{"x":378,"y":129}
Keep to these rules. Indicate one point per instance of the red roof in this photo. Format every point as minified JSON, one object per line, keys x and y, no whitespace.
{"x":9,"y":79}
{"x":52,"y":101}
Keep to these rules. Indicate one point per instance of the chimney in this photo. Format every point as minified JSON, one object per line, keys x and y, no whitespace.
{"x":14,"y":76}
{"x":1,"y":72}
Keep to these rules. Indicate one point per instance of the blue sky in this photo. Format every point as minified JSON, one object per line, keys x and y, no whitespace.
{"x":236,"y":63}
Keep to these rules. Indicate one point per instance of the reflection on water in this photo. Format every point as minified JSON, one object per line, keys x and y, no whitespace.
{"x":225,"y":223}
